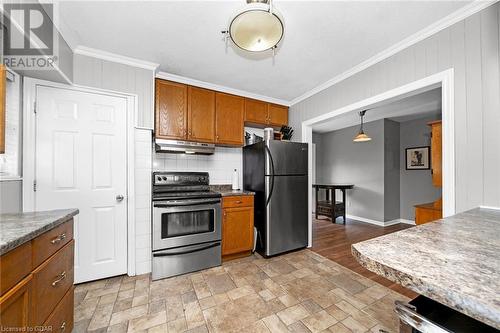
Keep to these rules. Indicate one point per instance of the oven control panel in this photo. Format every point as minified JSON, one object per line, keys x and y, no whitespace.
{"x":180,"y":178}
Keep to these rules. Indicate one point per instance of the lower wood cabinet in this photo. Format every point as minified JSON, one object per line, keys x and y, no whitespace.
{"x":427,"y":213}
{"x":61,"y":320}
{"x":237,"y":226}
{"x":15,"y":306}
{"x":39,"y":294}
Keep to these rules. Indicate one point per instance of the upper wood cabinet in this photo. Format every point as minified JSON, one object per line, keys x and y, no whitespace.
{"x":267,"y":114}
{"x":278,"y":115}
{"x":3,"y":83}
{"x":436,"y":153}
{"x":229,"y":111}
{"x":201,"y":115}
{"x":256,"y":111}
{"x":171,"y":110}
{"x":190,"y":113}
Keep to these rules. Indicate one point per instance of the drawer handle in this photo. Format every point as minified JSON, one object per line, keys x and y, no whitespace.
{"x":63,"y":326}
{"x":59,"y":238}
{"x":61,"y":277}
{"x":238,"y":202}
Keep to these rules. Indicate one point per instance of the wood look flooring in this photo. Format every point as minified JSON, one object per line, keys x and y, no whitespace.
{"x":334,"y":241}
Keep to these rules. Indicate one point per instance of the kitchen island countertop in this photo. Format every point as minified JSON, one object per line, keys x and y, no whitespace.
{"x":454,"y":261}
{"x":17,"y":229}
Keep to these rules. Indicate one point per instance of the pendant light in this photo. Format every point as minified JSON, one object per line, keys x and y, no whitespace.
{"x":258,"y":27}
{"x":361,"y":137}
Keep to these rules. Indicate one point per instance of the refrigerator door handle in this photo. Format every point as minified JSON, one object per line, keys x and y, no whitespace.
{"x":272,"y":175}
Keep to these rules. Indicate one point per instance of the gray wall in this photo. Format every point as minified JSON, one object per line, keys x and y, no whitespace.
{"x":98,"y":73}
{"x":340,"y":160}
{"x":10,"y":196}
{"x":416,"y":185}
{"x":391,"y":170}
{"x":471,"y":48}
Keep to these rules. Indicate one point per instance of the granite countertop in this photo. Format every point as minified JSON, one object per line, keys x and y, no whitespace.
{"x":17,"y":229}
{"x":454,"y":261}
{"x":226,"y":191}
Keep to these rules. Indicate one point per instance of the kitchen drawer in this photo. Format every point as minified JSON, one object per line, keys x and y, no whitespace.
{"x":11,"y":271}
{"x":237,"y":201}
{"x":48,"y":243}
{"x":51,"y":281}
{"x":61,"y":319}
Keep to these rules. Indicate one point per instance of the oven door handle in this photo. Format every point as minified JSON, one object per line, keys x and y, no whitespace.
{"x":185,"y":203}
{"x":202,"y":247}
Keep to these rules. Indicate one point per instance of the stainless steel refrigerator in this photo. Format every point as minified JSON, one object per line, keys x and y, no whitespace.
{"x":277,"y":172}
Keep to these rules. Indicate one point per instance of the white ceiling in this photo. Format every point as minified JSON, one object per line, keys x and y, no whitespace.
{"x":322,"y":38}
{"x":417,"y":106}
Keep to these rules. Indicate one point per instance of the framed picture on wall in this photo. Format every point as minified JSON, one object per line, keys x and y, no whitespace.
{"x":418,"y":158}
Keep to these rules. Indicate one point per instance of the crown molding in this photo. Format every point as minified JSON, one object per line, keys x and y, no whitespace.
{"x":432,"y":29}
{"x":100,"y":54}
{"x":216,"y":87}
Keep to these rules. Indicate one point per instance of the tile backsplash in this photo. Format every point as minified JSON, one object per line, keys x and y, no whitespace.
{"x":220,"y":165}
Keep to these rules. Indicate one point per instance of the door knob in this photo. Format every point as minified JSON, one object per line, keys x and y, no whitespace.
{"x":119,"y":198}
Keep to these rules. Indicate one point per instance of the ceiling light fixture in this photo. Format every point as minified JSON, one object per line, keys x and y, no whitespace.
{"x":361,"y":137}
{"x":258,"y":27}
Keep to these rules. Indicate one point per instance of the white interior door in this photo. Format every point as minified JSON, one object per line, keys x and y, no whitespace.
{"x":81,"y":162}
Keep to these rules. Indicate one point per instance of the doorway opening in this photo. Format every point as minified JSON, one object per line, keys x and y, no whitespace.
{"x":392,"y":111}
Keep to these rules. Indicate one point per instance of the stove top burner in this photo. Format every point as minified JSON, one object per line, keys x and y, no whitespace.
{"x":181,"y":185}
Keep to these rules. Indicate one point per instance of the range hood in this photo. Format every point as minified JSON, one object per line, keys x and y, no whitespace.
{"x":177,"y":146}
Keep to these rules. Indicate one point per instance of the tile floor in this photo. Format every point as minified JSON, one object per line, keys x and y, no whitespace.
{"x":296,"y":292}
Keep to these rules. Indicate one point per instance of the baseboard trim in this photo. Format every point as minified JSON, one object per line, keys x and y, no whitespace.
{"x":490,"y":207}
{"x":380,"y":223}
{"x":405,"y":221}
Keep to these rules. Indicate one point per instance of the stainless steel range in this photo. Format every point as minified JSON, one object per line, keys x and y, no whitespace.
{"x":186,"y":224}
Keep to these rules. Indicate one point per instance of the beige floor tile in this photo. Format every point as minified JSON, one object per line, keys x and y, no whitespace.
{"x":147,"y":321}
{"x":240,"y":292}
{"x":140,"y":300}
{"x":354,"y":325}
{"x":101,"y":317}
{"x":298,"y":327}
{"x":163,"y":328}
{"x":311,"y":306}
{"x":189,"y":297}
{"x":266,"y":294}
{"x":128,"y":314}
{"x":339,"y":328}
{"x":199,"y":329}
{"x":319,"y":321}
{"x":81,"y":326}
{"x":288,"y":300}
{"x":86,"y":309}
{"x":177,"y":326}
{"x":207,"y":302}
{"x":257,"y":327}
{"x":298,"y":292}
{"x":101,"y":292}
{"x":293,"y":314}
{"x":274,"y":324}
{"x":123,"y":305}
{"x":337,"y":313}
{"x":157,"y":306}
{"x":194,"y":316}
{"x":220,"y":283}
{"x":118,"y":328}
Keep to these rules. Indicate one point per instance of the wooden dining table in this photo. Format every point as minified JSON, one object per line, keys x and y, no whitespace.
{"x":331,"y":208}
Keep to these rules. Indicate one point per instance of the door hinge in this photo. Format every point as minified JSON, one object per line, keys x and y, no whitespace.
{"x":34,"y":186}
{"x":34,"y":107}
